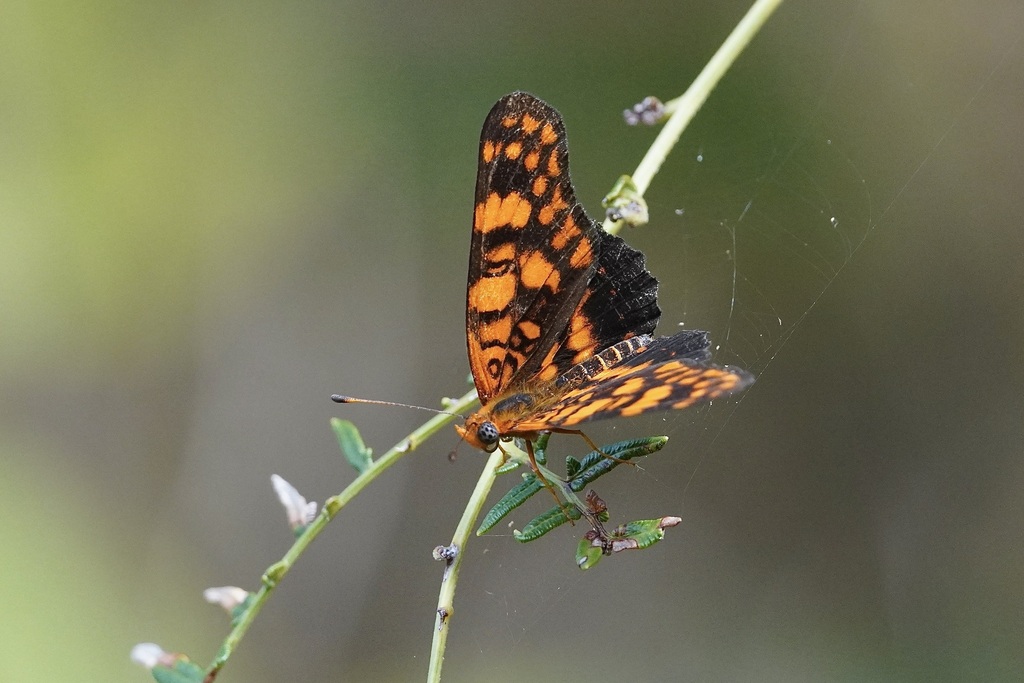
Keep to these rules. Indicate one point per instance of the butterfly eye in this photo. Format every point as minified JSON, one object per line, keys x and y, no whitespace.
{"x":487,"y":433}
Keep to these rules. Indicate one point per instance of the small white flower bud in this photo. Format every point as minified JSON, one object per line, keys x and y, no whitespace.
{"x":300,"y":513}
{"x":150,"y":655}
{"x":228,"y":597}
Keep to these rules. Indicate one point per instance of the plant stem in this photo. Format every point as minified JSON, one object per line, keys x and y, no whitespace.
{"x":686,"y":106}
{"x":446,"y":597}
{"x":273,"y":575}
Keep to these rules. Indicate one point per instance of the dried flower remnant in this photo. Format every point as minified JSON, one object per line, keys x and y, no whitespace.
{"x":300,"y":513}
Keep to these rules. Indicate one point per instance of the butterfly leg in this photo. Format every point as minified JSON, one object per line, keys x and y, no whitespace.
{"x":550,"y":487}
{"x":593,"y":446}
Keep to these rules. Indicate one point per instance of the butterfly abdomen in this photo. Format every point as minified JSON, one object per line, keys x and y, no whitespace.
{"x":613,"y":355}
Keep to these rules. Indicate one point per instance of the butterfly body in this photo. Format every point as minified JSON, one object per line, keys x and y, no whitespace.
{"x":559,"y":313}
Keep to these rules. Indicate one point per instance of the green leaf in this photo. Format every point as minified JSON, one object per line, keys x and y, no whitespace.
{"x":539,"y":448}
{"x":581,"y":473}
{"x":587,"y":554}
{"x":507,"y":467}
{"x":183,"y":671}
{"x":518,"y":495}
{"x":632,"y":536}
{"x":541,"y":524}
{"x":351,"y":444}
{"x":596,"y":463}
{"x":572,"y":466}
{"x":640,"y":534}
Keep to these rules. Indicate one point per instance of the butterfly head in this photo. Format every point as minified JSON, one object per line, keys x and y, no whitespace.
{"x":479,"y":432}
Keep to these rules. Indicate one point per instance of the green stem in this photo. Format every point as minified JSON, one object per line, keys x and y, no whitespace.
{"x":446,"y":597}
{"x":273,"y":575}
{"x":686,"y":107}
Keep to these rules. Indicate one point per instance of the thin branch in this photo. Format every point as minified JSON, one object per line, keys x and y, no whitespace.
{"x":687,"y":106}
{"x":277,"y":571}
{"x":446,"y":598}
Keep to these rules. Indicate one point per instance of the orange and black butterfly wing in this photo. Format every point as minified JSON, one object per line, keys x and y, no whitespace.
{"x":669,"y":373}
{"x":621,"y":302}
{"x":532,"y":250}
{"x":547,"y":287}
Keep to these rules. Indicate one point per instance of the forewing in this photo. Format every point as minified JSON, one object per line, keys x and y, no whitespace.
{"x":548,"y":288}
{"x":670,"y":374}
{"x":533,"y":250}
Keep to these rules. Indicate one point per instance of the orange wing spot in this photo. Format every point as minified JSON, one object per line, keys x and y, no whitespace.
{"x":683,"y":378}
{"x":535,"y":271}
{"x":590,"y":409}
{"x":510,"y":121}
{"x":492,"y":293}
{"x":547,"y":213}
{"x":479,"y":213}
{"x":548,"y":136}
{"x":540,"y":184}
{"x":650,"y":399}
{"x":550,"y":371}
{"x":515,"y":211}
{"x":513,"y":150}
{"x":530,"y":124}
{"x":557,"y":201}
{"x":497,"y":212}
{"x":499,"y":330}
{"x":488,"y":153}
{"x":581,"y":339}
{"x":530,"y":329}
{"x":582,"y":256}
{"x":630,"y":387}
{"x":619,"y":402}
{"x":478,"y":366}
{"x":532,"y":161}
{"x":554,"y":168}
{"x":548,"y":374}
{"x":568,"y":232}
{"x":638,"y":367}
{"x":504,"y":252}
{"x":586,"y":397}
{"x":506,"y":376}
{"x":487,"y":213}
{"x":689,"y":400}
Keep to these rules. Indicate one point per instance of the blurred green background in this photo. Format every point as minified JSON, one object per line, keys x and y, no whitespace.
{"x":214,"y":215}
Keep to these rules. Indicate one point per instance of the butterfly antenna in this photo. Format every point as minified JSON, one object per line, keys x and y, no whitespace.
{"x":338,"y":398}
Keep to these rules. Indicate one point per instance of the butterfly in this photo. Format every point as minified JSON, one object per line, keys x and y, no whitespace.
{"x":560,"y":313}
